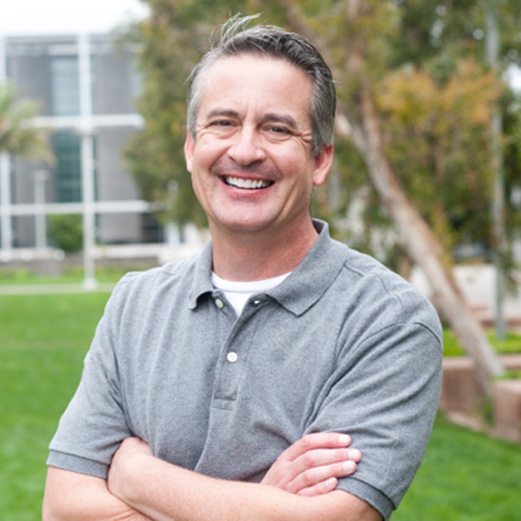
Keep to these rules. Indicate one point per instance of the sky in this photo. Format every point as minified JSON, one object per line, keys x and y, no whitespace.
{"x":29,"y":17}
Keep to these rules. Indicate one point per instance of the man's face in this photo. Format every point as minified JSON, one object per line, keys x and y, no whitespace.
{"x":251,"y":162}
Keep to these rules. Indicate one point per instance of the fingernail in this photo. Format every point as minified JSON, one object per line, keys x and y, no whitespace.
{"x":349,"y":466}
{"x":354,"y":454}
{"x":344,"y":439}
{"x":331,"y":482}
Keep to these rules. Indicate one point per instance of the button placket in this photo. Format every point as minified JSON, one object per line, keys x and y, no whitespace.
{"x":232,"y":364}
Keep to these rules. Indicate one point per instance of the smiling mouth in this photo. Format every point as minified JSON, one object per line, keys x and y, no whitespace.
{"x":247,"y":184}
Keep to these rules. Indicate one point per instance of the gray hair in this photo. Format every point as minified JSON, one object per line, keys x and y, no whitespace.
{"x":266,"y":40}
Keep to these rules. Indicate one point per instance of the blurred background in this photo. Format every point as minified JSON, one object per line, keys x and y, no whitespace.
{"x":427,"y":178}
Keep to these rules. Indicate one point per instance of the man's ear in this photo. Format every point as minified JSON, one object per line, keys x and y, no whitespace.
{"x":323,"y":162}
{"x":189,"y":150}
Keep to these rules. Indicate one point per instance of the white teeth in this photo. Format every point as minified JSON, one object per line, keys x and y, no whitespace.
{"x":249,"y":184}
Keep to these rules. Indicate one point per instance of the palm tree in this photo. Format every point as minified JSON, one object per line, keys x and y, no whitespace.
{"x":18,"y":136}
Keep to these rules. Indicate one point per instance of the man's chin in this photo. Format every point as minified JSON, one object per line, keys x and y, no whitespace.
{"x":244,"y":225}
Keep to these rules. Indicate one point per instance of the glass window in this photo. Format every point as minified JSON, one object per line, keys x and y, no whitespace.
{"x":65,"y":86}
{"x":67,"y":148}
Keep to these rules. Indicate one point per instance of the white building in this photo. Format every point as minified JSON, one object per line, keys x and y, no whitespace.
{"x":87,"y":86}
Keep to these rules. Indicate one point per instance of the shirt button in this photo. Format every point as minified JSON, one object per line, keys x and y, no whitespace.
{"x":232,"y":357}
{"x":219,"y":303}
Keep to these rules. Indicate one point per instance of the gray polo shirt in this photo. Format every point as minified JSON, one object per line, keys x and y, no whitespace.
{"x":343,"y":344}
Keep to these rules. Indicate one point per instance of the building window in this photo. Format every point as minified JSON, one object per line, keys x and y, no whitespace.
{"x":65,"y":86}
{"x":67,"y":148}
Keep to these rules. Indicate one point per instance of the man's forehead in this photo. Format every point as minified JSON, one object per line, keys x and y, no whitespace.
{"x":234,"y":84}
{"x":256,"y":63}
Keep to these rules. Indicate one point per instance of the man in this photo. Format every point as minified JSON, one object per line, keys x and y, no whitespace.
{"x":232,"y":383}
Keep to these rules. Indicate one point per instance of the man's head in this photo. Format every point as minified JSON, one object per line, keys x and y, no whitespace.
{"x":273,"y":42}
{"x":261,"y":113}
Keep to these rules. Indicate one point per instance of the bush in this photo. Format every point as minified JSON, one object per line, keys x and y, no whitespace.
{"x":66,"y":232}
{"x":511,"y":344}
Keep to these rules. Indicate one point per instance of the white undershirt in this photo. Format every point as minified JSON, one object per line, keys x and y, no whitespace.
{"x":238,"y":293}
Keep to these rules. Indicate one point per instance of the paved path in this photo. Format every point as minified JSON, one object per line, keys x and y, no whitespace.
{"x":51,"y":289}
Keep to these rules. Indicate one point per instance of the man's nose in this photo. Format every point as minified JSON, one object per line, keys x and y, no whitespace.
{"x":247,"y":147}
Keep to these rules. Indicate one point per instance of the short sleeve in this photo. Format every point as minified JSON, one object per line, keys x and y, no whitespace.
{"x":94,"y":423}
{"x":385,"y":396}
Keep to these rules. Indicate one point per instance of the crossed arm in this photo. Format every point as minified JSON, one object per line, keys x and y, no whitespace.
{"x":299,"y":485}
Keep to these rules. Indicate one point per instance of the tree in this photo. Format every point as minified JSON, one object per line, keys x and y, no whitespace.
{"x":172,"y":40}
{"x":414,"y":98}
{"x":17,"y":136}
{"x":361,"y":68}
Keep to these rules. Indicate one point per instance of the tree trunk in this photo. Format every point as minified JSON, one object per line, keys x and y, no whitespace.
{"x":420,"y":243}
{"x":422,"y":246}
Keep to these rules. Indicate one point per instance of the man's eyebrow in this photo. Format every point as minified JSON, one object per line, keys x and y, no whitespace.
{"x":272,"y":117}
{"x":222,"y":112}
{"x":280,"y":118}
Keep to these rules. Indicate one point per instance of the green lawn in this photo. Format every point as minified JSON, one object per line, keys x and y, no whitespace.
{"x":67,"y":276}
{"x":43,"y":339}
{"x":42,"y":343}
{"x":509,"y":345}
{"x":465,"y":476}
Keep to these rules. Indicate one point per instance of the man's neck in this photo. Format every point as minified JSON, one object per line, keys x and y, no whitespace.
{"x":258,"y":256}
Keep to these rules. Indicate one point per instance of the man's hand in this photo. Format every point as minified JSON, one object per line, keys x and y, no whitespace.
{"x":309,"y":467}
{"x":160,"y":490}
{"x":313,"y":464}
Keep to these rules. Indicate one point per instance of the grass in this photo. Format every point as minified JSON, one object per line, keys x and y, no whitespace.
{"x":42,"y":343}
{"x":509,"y":345}
{"x":465,"y":476}
{"x":67,"y":276}
{"x":43,"y":338}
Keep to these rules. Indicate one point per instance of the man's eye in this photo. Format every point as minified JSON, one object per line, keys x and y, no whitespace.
{"x":220,"y":123}
{"x":283,"y":131}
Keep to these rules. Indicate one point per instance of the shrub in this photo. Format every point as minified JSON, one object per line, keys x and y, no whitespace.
{"x":66,"y":232}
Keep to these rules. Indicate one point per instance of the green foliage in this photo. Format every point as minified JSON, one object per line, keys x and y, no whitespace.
{"x":17,"y":136}
{"x":66,"y":232}
{"x":511,"y":344}
{"x":435,"y":96}
{"x":511,"y":375}
{"x":172,"y":41}
{"x":438,"y":138}
{"x":512,"y":171}
{"x":426,"y":62}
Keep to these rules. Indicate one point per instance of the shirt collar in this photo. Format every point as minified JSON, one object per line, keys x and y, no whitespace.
{"x":202,"y":282}
{"x":313,"y":276}
{"x":302,"y":288}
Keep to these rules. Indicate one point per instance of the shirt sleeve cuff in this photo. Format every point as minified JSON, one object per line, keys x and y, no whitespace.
{"x":77,"y":464}
{"x":371,"y":495}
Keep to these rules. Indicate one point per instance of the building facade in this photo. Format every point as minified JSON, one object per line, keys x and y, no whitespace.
{"x":87,"y":86}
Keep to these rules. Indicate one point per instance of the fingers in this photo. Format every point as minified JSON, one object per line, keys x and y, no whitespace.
{"x":320,"y":488}
{"x":322,"y":457}
{"x":317,"y":440}
{"x":313,"y":464}
{"x":318,"y":480}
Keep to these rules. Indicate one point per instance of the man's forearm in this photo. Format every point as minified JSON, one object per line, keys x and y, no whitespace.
{"x":70,"y":496}
{"x":164,"y":492}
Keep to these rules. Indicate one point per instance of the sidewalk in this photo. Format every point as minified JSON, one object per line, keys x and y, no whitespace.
{"x":52,"y":289}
